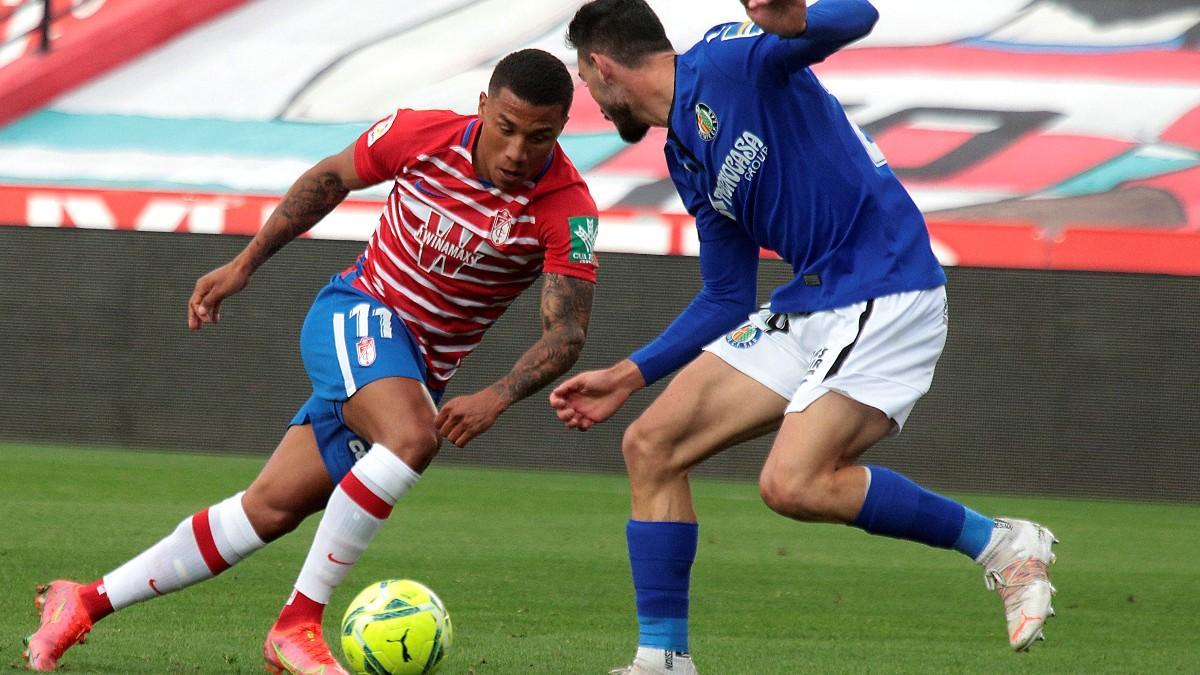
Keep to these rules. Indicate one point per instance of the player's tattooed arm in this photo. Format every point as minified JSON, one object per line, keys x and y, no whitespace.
{"x":310,"y":199}
{"x":317,"y":192}
{"x":314,"y":194}
{"x":566,"y":310}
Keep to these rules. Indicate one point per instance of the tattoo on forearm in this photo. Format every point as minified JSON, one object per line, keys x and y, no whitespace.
{"x":308,"y":201}
{"x":566,"y":310}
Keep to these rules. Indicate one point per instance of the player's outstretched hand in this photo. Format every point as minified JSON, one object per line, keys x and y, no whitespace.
{"x":463,"y":418}
{"x":786,"y":18}
{"x":592,"y":397}
{"x":205,"y":303}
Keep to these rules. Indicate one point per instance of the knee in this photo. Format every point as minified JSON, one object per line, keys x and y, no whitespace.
{"x":416,"y":446}
{"x":806,"y":498}
{"x":270,"y":521}
{"x":648,"y":452}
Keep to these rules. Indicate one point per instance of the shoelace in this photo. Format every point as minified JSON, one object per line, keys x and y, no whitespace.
{"x":1015,"y":576}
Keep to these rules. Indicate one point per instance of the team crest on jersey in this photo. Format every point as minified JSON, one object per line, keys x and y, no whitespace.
{"x":502,"y":227}
{"x":706,"y":121}
{"x":744,"y":337}
{"x":381,"y":127}
{"x":366,"y":351}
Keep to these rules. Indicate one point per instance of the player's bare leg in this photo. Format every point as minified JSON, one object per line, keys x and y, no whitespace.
{"x":292,"y":485}
{"x":396,"y":416}
{"x":812,"y":475}
{"x":707,"y":408}
{"x":398,"y":413}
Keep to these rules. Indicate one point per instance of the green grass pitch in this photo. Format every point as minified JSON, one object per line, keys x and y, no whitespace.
{"x":532,"y":567}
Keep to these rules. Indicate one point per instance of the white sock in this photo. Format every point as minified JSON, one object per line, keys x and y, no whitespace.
{"x":203,"y":546}
{"x":659,"y":660}
{"x":357,"y":508}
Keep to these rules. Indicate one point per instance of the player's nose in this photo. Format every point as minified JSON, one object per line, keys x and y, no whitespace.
{"x":517,"y":154}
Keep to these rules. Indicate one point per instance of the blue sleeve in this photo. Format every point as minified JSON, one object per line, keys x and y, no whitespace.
{"x":729,"y":268}
{"x":832,"y":24}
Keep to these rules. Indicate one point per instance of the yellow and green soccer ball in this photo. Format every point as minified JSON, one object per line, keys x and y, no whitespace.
{"x":396,"y":627}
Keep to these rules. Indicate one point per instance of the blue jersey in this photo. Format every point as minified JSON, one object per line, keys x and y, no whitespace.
{"x":763,"y":156}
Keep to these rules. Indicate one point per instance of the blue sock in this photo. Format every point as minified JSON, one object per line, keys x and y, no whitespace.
{"x":976,"y":533}
{"x":661,"y":555}
{"x":897,"y":507}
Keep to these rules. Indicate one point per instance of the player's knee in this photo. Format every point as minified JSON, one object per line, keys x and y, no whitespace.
{"x":416,"y":445}
{"x":647,"y":452}
{"x":804,"y":498}
{"x":270,"y":522}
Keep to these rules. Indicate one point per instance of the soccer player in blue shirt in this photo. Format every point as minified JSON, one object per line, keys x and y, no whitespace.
{"x":764,"y":157}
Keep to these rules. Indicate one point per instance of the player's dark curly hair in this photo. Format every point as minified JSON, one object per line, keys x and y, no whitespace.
{"x":625,"y":30}
{"x":536,"y":77}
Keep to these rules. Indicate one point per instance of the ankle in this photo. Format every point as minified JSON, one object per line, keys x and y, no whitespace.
{"x":300,"y":609}
{"x":95,"y":600}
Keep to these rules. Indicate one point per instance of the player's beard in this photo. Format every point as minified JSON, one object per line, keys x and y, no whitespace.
{"x":629,"y":128}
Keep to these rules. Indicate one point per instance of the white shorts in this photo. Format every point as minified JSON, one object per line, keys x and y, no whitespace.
{"x":881,"y":352}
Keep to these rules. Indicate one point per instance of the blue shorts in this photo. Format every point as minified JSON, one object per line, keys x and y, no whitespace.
{"x":349,"y":340}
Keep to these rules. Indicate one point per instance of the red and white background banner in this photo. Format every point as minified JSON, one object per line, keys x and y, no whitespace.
{"x":87,"y":38}
{"x":973,"y":244}
{"x":1033,"y":133}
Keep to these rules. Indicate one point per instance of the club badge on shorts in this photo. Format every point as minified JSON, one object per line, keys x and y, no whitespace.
{"x":366,"y":351}
{"x":744,"y":337}
{"x":501,"y":227}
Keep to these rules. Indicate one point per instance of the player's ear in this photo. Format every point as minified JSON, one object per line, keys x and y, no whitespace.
{"x":482,"y":102}
{"x":604,"y":67}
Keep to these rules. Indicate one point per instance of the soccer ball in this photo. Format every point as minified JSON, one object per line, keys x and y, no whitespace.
{"x":396,"y":627}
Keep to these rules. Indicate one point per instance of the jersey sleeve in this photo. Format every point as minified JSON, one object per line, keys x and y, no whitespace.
{"x":832,"y":24}
{"x":382,"y":150}
{"x":744,"y":52}
{"x":729,"y":269}
{"x":568,"y":224}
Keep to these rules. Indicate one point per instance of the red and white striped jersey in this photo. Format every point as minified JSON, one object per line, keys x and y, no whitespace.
{"x":451,"y":253}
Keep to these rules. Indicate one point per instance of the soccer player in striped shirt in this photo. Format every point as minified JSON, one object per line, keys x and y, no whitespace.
{"x":480,"y":208}
{"x":764,"y":157}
